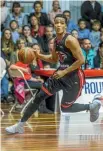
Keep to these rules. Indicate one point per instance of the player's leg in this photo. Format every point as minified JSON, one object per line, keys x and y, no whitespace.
{"x":70,"y":96}
{"x":49,"y":88}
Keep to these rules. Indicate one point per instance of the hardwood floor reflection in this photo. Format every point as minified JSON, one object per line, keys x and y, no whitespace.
{"x":49,"y":132}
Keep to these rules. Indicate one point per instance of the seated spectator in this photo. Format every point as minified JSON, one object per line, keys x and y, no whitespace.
{"x":4,"y":13}
{"x":101,"y":54}
{"x":70,"y":24}
{"x":37,"y":63}
{"x":95,"y":35}
{"x":14,"y":30}
{"x":75,"y":34}
{"x":49,"y":34}
{"x":55,"y":10}
{"x":88,"y":53}
{"x":82,"y":30}
{"x":14,"y":55}
{"x":26,"y":70}
{"x":4,"y":81}
{"x":43,"y":10}
{"x":90,"y":11}
{"x":42,"y":17}
{"x":26,"y":34}
{"x":17,"y":15}
{"x":36,"y":28}
{"x":7,"y":45}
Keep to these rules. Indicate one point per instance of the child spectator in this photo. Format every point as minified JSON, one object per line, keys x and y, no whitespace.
{"x":14,"y":30}
{"x":26,"y":70}
{"x":82,"y":30}
{"x":95,"y":34}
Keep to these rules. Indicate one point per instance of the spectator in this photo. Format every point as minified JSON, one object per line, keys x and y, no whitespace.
{"x":42,"y":17}
{"x":26,"y":34}
{"x":4,"y":13}
{"x":14,"y":55}
{"x":88,"y":53}
{"x":75,"y":33}
{"x":95,"y":35}
{"x":101,"y":54}
{"x":82,"y":30}
{"x":17,"y":15}
{"x":26,"y":70}
{"x":4,"y":82}
{"x":7,"y":45}
{"x":70,"y":24}
{"x":90,"y":10}
{"x":14,"y":30}
{"x":37,"y":63}
{"x":48,"y":35}
{"x":44,"y":11}
{"x":36,"y":28}
{"x":55,"y":10}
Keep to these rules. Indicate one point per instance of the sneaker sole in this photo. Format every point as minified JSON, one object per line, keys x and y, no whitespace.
{"x":97,"y":110}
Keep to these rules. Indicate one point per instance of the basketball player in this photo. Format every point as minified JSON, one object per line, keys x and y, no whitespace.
{"x":68,"y":77}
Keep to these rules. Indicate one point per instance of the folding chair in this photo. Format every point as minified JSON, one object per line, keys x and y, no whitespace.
{"x":17,"y":73}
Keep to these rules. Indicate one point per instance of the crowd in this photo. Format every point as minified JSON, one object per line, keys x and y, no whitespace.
{"x":36,"y":31}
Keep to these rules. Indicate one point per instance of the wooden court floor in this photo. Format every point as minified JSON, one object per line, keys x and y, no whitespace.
{"x":49,"y":132}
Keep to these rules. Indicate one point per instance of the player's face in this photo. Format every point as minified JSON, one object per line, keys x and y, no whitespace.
{"x":60,"y":25}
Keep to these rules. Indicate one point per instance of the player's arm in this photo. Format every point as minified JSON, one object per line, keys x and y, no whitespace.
{"x":52,"y":58}
{"x":73,"y":44}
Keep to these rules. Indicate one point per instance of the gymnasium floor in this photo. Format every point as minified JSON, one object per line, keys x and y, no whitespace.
{"x":49,"y":132}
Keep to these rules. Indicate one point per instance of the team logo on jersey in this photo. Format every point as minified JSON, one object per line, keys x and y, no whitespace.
{"x":62,"y":56}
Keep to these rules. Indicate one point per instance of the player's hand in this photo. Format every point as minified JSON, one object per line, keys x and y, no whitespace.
{"x":59,"y":74}
{"x":37,"y":52}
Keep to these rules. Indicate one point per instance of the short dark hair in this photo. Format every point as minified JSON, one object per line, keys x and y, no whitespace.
{"x":37,"y":2}
{"x":101,"y":45}
{"x":13,"y":21}
{"x":80,"y":20}
{"x":61,"y":16}
{"x":67,"y":11}
{"x":96,"y":22}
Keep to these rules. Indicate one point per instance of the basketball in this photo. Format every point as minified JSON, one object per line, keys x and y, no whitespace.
{"x":26,"y":55}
